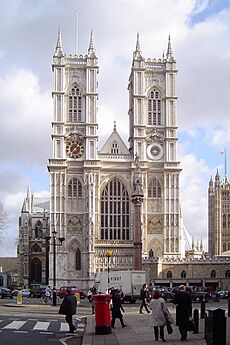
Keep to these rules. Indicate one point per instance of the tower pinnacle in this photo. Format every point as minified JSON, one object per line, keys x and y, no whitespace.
{"x":169,"y":54}
{"x":59,"y":50}
{"x":91,"y":50}
{"x":137,"y":52}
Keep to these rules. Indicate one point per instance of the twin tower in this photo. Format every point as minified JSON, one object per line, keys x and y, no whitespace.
{"x":92,"y":189}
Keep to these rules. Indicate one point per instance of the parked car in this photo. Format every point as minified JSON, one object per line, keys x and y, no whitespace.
{"x":25,"y":292}
{"x":4,"y":293}
{"x":62,"y":291}
{"x":165,"y":292}
{"x":37,"y":290}
{"x":223,"y":294}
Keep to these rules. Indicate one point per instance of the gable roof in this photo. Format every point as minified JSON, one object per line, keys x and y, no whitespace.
{"x":114,"y":138}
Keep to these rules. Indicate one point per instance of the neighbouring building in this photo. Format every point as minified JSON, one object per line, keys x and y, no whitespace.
{"x":33,"y":243}
{"x":218,"y":215}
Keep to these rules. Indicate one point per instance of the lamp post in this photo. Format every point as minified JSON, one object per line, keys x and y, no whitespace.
{"x":54,"y":243}
{"x":108,"y":254}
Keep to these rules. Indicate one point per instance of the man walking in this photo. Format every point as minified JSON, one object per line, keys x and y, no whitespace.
{"x":144,"y":298}
{"x":183,"y":302}
{"x":68,"y":308}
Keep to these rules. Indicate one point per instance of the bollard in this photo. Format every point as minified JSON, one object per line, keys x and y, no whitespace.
{"x":196,"y":321}
{"x":215,"y":327}
{"x":77,"y":295}
{"x":229,"y":307}
{"x":19,"y":297}
{"x":202,"y":309}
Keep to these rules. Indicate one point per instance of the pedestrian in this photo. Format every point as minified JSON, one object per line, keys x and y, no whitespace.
{"x":117,"y":308}
{"x":159,"y":316}
{"x":144,"y":298}
{"x":68,"y":308}
{"x":183,"y":302}
{"x":93,"y":291}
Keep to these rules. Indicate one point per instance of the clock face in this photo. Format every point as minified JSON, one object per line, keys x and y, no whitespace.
{"x":155,"y":151}
{"x":75,"y":149}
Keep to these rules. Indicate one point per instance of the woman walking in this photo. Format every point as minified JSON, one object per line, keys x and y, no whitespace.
{"x":183,"y":302}
{"x":116,"y":308}
{"x":158,"y":315}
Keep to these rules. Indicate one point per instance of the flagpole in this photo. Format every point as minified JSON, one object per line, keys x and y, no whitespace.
{"x":225,"y":162}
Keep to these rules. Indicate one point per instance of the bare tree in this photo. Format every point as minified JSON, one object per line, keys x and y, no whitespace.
{"x":3,"y":221}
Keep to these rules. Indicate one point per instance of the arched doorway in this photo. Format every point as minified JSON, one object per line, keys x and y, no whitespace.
{"x":36,"y":271}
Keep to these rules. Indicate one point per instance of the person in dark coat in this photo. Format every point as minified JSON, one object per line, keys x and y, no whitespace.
{"x":144,"y":298}
{"x":117,"y":308}
{"x":68,"y":308}
{"x":183,"y":302}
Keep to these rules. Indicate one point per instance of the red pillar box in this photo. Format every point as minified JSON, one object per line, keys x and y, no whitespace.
{"x":102,"y":314}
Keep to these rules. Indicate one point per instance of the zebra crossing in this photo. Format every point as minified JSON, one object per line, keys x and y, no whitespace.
{"x":36,"y":325}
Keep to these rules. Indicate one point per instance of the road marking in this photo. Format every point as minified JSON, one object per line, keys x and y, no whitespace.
{"x":49,"y":333}
{"x":41,"y":326}
{"x":21,"y":332}
{"x":14,"y":325}
{"x":64,"y":327}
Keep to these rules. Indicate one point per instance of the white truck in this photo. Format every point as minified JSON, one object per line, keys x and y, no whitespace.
{"x":130,"y":282}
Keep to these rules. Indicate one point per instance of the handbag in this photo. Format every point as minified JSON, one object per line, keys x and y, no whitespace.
{"x":190,"y":325}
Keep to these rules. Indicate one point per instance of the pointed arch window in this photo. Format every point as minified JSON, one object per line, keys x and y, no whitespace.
{"x":183,"y":274}
{"x":213,"y":274}
{"x":154,"y":108}
{"x":227,"y":274}
{"x":115,"y":147}
{"x":224,"y":221}
{"x":38,"y":229}
{"x":169,"y":274}
{"x":78,"y":259}
{"x":154,"y":189}
{"x":75,"y":105}
{"x":115,"y":212}
{"x":75,"y":188}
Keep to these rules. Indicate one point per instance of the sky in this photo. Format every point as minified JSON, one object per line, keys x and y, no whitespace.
{"x":199,"y":30}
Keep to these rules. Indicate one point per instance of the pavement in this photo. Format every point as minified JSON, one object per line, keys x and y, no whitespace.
{"x":139,"y":332}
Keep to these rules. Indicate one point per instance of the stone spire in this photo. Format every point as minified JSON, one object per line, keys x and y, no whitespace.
{"x":59,"y":50}
{"x":91,"y":50}
{"x":169,"y":54}
{"x":137,"y":53}
{"x":210,"y":185}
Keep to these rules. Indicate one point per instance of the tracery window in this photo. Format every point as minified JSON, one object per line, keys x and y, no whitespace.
{"x":78,"y":259}
{"x":115,"y":211}
{"x":75,"y":188}
{"x":114,"y":148}
{"x":169,"y":274}
{"x":224,"y":221}
{"x":154,"y":108}
{"x":75,"y":105}
{"x":154,"y":189}
{"x":38,"y":229}
{"x":227,"y":274}
{"x":183,"y":274}
{"x":213,"y":274}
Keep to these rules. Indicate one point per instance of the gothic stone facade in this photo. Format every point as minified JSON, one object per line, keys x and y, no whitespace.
{"x":91,"y":189}
{"x":33,"y":247}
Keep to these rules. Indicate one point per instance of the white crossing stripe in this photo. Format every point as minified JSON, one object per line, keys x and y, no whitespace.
{"x":41,"y":326}
{"x":64,"y":327}
{"x":14,"y":325}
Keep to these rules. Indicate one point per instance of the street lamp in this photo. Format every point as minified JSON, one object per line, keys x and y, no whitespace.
{"x":55,"y":244}
{"x":108,"y":254}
